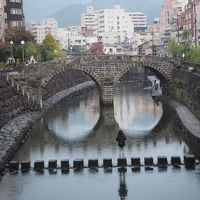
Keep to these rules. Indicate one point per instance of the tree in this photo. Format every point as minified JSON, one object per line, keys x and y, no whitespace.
{"x":50,"y":44}
{"x":17,"y":35}
{"x":174,"y":49}
{"x":194,"y":55}
{"x":4,"y":51}
{"x":185,"y":36}
{"x":96,"y":47}
{"x":49,"y":47}
{"x":32,"y":49}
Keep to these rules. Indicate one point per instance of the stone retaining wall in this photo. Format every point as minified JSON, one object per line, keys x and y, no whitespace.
{"x":14,"y":133}
{"x":72,"y":91}
{"x":186,"y":95}
{"x":12,"y":102}
{"x":62,"y":81}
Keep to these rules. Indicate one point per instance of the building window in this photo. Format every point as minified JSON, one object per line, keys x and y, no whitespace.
{"x":16,"y":1}
{"x":15,"y":11}
{"x":16,"y":23}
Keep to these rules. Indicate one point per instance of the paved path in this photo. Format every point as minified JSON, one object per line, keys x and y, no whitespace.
{"x":191,"y":123}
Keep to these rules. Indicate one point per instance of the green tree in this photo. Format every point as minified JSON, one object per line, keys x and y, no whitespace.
{"x":32,"y":49}
{"x":49,"y":47}
{"x":185,"y":36}
{"x":194,"y":55}
{"x":16,"y":35}
{"x":174,"y":49}
{"x":50,"y":44}
{"x":4,"y":52}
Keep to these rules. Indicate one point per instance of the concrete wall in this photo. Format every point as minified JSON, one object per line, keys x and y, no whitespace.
{"x":186,"y":95}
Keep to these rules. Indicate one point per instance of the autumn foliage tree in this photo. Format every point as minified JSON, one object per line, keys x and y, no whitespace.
{"x":96,"y":48}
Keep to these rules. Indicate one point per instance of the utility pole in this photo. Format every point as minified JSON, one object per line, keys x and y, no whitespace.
{"x":195,"y":25}
{"x":177,"y":28}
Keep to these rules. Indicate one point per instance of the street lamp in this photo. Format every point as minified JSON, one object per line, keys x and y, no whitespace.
{"x":11,"y":50}
{"x":22,"y":43}
{"x":183,"y":56}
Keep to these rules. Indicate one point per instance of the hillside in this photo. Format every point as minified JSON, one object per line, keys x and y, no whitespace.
{"x":70,"y":15}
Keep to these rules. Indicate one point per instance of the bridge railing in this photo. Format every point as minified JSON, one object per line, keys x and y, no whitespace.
{"x":27,"y":95}
{"x":190,"y":66}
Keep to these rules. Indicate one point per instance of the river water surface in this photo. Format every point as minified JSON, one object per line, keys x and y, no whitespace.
{"x":80,"y":128}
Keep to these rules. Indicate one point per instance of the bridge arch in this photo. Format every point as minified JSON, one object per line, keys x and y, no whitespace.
{"x":159,"y":69}
{"x":88,"y":71}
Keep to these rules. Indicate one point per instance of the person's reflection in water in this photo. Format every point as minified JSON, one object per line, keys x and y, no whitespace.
{"x":123,"y":190}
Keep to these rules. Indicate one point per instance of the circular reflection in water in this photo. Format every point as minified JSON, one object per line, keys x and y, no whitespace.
{"x":75,"y":122}
{"x":135,"y":111}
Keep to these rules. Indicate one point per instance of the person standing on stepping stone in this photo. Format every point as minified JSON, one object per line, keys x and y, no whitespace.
{"x":121,"y":143}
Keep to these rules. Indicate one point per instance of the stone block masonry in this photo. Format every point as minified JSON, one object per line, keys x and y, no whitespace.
{"x":189,"y":162}
{"x":12,"y":102}
{"x":14,"y":132}
{"x":185,"y":93}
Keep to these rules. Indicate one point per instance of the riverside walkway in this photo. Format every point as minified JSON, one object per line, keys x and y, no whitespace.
{"x":190,"y":122}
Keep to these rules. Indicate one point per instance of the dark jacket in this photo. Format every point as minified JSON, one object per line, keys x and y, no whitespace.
{"x":121,"y":139}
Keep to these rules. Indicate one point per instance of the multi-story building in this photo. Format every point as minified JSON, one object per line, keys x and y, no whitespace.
{"x":15,"y":15}
{"x":2,"y":19}
{"x":139,"y":21}
{"x":170,"y":11}
{"x":192,"y":17}
{"x":89,"y":20}
{"x":116,"y":20}
{"x":67,"y":37}
{"x":41,"y":29}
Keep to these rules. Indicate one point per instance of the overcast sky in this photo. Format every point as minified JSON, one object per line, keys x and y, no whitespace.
{"x":39,"y":9}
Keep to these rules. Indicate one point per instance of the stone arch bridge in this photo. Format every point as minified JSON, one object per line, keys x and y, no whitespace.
{"x":105,"y":70}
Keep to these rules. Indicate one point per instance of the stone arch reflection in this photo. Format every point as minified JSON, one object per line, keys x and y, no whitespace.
{"x":77,"y":119}
{"x":136,"y":112}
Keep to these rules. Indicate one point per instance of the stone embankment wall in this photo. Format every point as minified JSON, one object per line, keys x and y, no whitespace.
{"x":62,"y":81}
{"x":13,"y":134}
{"x":186,"y":90}
{"x":69,"y":92}
{"x":12,"y":102}
{"x":13,"y":111}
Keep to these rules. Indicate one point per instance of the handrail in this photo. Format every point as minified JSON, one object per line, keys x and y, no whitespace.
{"x":20,"y":88}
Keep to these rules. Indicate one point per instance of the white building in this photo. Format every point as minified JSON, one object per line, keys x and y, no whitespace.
{"x":89,"y":19}
{"x":139,"y":21}
{"x":2,"y":19}
{"x":41,"y":29}
{"x":67,"y":37}
{"x":116,"y":20}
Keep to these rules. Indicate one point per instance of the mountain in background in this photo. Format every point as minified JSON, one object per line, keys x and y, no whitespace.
{"x":71,"y":15}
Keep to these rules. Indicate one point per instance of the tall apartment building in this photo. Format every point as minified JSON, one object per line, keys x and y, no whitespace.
{"x":15,"y":15}
{"x":115,"y":20}
{"x":89,"y":19}
{"x":170,"y":11}
{"x":2,"y":19}
{"x":139,"y":21}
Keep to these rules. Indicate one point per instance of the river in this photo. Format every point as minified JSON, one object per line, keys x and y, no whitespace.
{"x":80,"y":128}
